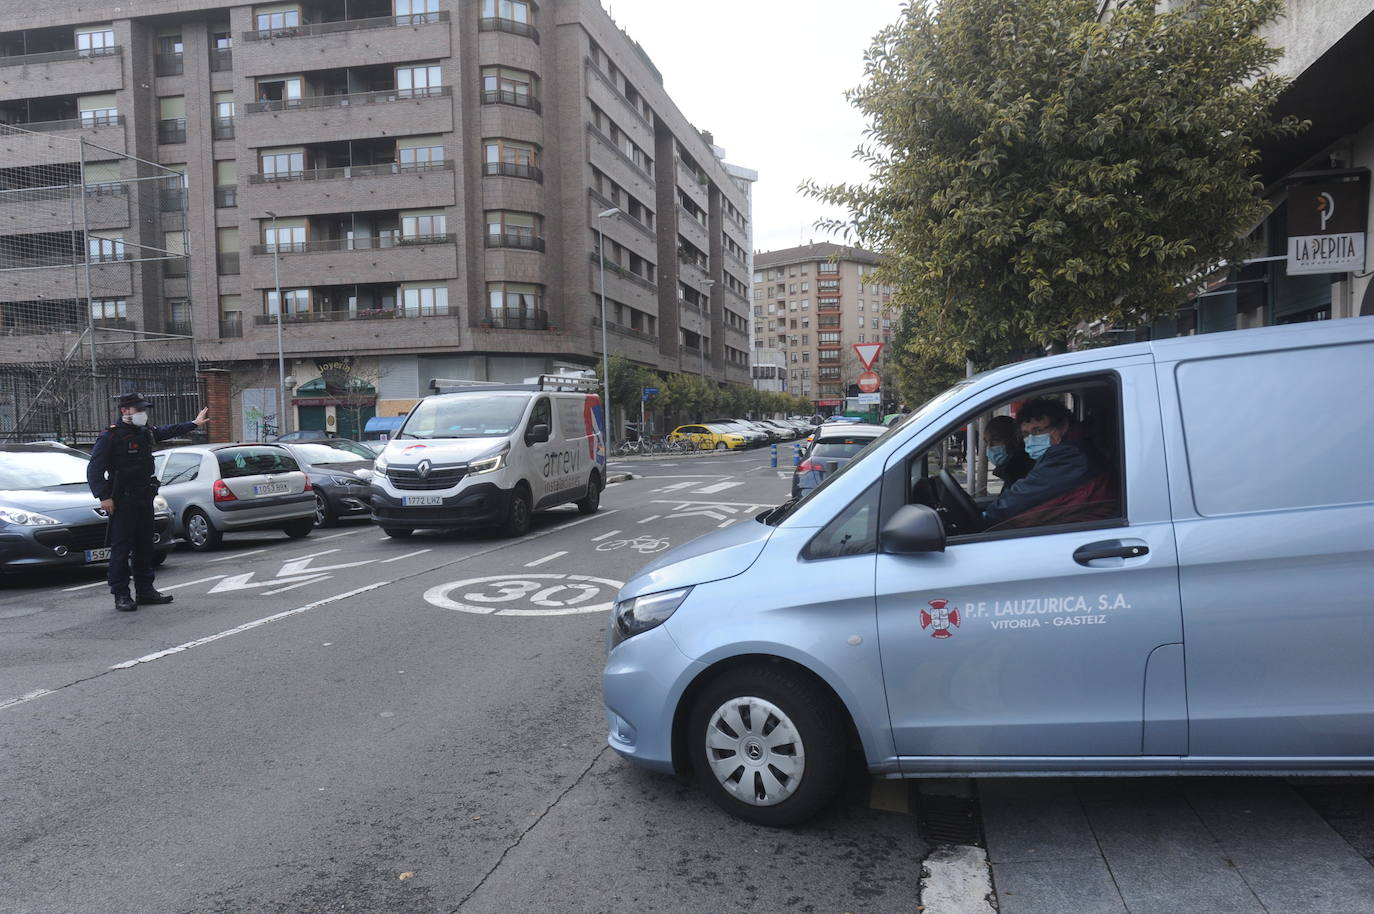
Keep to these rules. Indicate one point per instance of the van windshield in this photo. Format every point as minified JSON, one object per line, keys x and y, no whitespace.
{"x":465,"y":416}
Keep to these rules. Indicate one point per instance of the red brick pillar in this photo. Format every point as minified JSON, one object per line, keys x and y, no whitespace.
{"x":220,"y":403}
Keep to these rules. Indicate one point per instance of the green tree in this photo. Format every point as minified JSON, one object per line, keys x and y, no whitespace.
{"x":1035,"y":166}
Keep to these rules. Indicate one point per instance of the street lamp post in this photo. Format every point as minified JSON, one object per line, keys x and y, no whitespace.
{"x":281,"y":356}
{"x":706,"y":285}
{"x":605,"y":349}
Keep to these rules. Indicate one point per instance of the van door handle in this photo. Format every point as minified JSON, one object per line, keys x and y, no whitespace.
{"x":1110,"y":549}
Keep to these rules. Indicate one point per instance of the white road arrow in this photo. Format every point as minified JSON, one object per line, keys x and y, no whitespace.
{"x":302,"y":564}
{"x":245,"y":582}
{"x":292,"y":574}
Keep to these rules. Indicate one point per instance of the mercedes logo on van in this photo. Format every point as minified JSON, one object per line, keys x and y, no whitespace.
{"x":422,"y":469}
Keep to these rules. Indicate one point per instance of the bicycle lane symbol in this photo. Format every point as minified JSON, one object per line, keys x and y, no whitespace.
{"x":526,"y":595}
{"x":644,"y":545}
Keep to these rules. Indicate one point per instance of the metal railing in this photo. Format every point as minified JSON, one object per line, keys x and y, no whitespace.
{"x":350,"y":171}
{"x":179,"y":328}
{"x":620,"y":271}
{"x":502,"y":319}
{"x":231,"y":326}
{"x":497,"y":24}
{"x":515,"y":240}
{"x":623,"y":330}
{"x":513,"y":170}
{"x":221,"y":59}
{"x":381,"y":96}
{"x":343,"y":314}
{"x":171,"y":130}
{"x":507,"y":97}
{"x":169,"y":64}
{"x":227,"y":263}
{"x":222,"y":128}
{"x":24,"y":60}
{"x":365,"y":243}
{"x":226,"y":196}
{"x":75,"y":123}
{"x":348,"y":25}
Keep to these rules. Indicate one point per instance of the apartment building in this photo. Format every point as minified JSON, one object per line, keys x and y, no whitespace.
{"x":418,"y":188}
{"x":811,"y":305}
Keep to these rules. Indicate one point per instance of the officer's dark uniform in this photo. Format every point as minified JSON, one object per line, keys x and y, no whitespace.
{"x":121,"y":469}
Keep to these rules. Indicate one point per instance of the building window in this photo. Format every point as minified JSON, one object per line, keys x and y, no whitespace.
{"x":515,"y":10}
{"x":513,"y":296}
{"x":417,"y":82}
{"x":285,"y":164}
{"x":423,"y":225}
{"x":282,"y":19}
{"x":420,"y":156}
{"x":501,"y":222}
{"x":511,"y":158}
{"x":416,"y":11}
{"x":289,"y":239}
{"x":104,"y":250}
{"x":105,"y":309}
{"x":99,"y":117}
{"x":297,"y":300}
{"x":427,"y":302}
{"x":92,"y":44}
{"x":509,"y":87}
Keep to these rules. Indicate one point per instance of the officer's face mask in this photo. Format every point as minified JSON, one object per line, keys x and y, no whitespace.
{"x":139,"y":418}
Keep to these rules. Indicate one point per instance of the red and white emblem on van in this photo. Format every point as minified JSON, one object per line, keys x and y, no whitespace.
{"x":940,"y":619}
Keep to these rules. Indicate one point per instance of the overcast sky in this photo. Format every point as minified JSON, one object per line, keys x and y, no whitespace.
{"x":767,"y":79}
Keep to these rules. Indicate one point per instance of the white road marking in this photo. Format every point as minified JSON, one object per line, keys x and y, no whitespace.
{"x":675,"y":486}
{"x":11,"y":702}
{"x":213,"y":577}
{"x":245,"y":582}
{"x":408,"y":555}
{"x":957,"y":881}
{"x":334,"y":536}
{"x":727,"y":523}
{"x":313,"y":555}
{"x":236,"y":555}
{"x":682,"y":503}
{"x":604,"y":536}
{"x":84,"y":586}
{"x":718,"y":487}
{"x":247,"y":626}
{"x":268,"y":593}
{"x":651,"y":517}
{"x":548,"y":591}
{"x":548,"y":558}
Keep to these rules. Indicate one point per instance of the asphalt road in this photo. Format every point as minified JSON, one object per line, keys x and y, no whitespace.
{"x":302,"y":730}
{"x":351,"y":723}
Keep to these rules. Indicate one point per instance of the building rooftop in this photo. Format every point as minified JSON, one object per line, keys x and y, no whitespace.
{"x":820,"y":251}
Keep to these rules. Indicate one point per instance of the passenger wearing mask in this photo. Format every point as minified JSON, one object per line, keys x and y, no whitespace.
{"x":1008,"y":457}
{"x":1069,"y":481}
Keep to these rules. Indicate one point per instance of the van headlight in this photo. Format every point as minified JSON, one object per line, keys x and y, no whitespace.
{"x":487,"y":464}
{"x":645,"y":612}
{"x":379,"y":465}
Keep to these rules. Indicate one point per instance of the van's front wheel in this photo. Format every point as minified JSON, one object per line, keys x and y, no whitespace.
{"x":592,"y":500}
{"x":767,"y":745}
{"x":518,"y":514}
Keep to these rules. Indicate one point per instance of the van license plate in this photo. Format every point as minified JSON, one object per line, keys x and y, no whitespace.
{"x":98,"y":555}
{"x":421,"y":500}
{"x":271,"y":488}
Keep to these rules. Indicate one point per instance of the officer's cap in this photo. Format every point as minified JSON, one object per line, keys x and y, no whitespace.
{"x":134,"y":401}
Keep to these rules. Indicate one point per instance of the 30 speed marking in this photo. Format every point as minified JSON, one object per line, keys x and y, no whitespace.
{"x":526,"y":595}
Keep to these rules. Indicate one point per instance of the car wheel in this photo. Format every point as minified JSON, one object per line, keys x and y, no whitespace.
{"x":300,"y":529}
{"x":592,"y":500}
{"x":518,"y":514}
{"x":201,"y":535}
{"x":323,"y":516}
{"x":397,"y":533}
{"x":721,"y":446}
{"x":767,"y":745}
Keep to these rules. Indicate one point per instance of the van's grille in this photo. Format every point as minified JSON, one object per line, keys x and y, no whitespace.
{"x":439,"y":478}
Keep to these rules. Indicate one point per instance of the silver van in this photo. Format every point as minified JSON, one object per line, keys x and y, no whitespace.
{"x":1183,"y":583}
{"x":490,"y":455}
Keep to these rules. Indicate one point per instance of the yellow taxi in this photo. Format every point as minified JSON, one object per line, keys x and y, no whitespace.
{"x":707,"y":438}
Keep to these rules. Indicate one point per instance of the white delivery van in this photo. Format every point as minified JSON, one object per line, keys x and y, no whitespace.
{"x":489,"y":455}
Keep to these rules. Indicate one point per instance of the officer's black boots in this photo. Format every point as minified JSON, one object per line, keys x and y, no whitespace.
{"x":125,"y":603}
{"x":150,"y":597}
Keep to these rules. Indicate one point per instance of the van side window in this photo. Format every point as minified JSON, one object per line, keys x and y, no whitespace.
{"x":854,"y":531}
{"x":1049,"y":458}
{"x":542,"y":414}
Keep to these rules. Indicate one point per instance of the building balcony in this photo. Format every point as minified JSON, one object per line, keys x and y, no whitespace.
{"x":179,"y":328}
{"x":510,"y":240}
{"x":518,"y":99}
{"x":360,"y":260}
{"x":622,"y":330}
{"x":221,"y":60}
{"x":227,"y":263}
{"x":50,"y":209}
{"x":504,"y":319}
{"x":171,"y":131}
{"x":327,"y":316}
{"x":69,"y":72}
{"x":386,"y":240}
{"x":384,"y":39}
{"x":513,"y":170}
{"x":226,"y":196}
{"x":616,"y":270}
{"x":510,"y":26}
{"x":222,"y":128}
{"x":390,"y":185}
{"x":340,"y":118}
{"x":169,"y":64}
{"x":231,"y":326}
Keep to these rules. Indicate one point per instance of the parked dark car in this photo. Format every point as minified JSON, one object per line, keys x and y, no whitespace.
{"x":835,"y":444}
{"x":48,"y":517}
{"x":340,"y":471}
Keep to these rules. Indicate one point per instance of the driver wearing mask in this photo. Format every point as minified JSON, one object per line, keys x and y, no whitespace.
{"x":1069,"y":480}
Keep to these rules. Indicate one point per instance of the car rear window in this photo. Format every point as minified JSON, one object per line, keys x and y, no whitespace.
{"x":840,"y":447}
{"x":254,"y":461}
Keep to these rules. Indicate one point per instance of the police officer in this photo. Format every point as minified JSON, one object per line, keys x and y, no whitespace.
{"x":121,"y":476}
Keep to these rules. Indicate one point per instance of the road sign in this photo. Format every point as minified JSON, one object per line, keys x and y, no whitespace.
{"x":869,"y":382}
{"x":647,"y":392}
{"x":868,"y":352}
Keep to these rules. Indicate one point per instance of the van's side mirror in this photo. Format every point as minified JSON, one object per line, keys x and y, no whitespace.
{"x":538,"y":434}
{"x":913,"y":529}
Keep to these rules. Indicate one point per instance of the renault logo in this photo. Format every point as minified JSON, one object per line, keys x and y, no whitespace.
{"x":422,"y":469}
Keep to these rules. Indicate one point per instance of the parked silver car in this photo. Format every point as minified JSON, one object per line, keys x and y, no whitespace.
{"x":49,"y":518}
{"x":215,"y":489}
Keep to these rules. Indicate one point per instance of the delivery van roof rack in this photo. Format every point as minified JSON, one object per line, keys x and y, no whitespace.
{"x":577,"y":383}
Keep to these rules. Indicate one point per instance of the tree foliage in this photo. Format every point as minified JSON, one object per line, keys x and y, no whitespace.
{"x":684,"y":397}
{"x":1034,"y":167}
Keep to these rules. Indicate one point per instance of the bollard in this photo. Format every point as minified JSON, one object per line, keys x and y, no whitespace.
{"x":796,"y":455}
{"x":773,"y":458}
